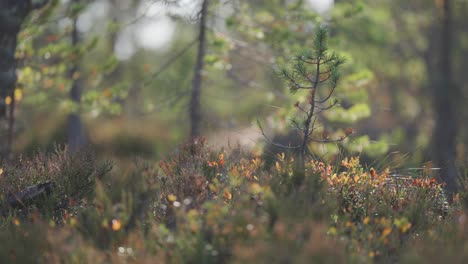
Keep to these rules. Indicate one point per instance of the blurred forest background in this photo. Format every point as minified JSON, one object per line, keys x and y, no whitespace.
{"x":131,"y":88}
{"x":120,"y":75}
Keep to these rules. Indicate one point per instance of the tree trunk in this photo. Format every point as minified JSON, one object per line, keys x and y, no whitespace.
{"x":76,"y":138}
{"x":195,"y":111}
{"x":12,"y":15}
{"x":444,"y":95}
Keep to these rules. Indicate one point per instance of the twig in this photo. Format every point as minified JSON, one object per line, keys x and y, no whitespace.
{"x":329,"y":140}
{"x":328,"y":96}
{"x":171,"y":61}
{"x":273,"y":143}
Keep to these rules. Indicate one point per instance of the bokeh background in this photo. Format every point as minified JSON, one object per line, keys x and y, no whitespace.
{"x":133,"y":62}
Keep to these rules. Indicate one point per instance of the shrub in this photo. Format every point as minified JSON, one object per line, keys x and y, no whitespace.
{"x":72,"y":175}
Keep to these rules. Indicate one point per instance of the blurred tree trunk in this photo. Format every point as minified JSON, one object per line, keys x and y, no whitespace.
{"x":195,"y":111}
{"x":444,"y":92}
{"x":76,"y":137}
{"x":12,"y":15}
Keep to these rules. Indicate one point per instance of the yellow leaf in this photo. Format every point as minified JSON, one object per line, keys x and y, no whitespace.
{"x":8,"y":100}
{"x":73,"y":221}
{"x":366,"y":220}
{"x":171,"y":198}
{"x":105,"y":223}
{"x":278,"y":167}
{"x":405,"y":228}
{"x":386,"y":232}
{"x":18,"y":95}
{"x":345,"y":179}
{"x":192,"y":213}
{"x":356,"y":178}
{"x":213,"y":188}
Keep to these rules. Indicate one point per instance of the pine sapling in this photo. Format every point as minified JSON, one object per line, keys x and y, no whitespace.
{"x":312,"y":71}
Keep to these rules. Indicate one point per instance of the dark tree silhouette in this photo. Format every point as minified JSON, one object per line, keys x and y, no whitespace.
{"x":195,"y":111}
{"x":76,"y":137}
{"x":444,"y":92}
{"x":12,"y":15}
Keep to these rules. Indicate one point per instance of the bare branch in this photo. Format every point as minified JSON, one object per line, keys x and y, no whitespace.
{"x":300,"y":108}
{"x":329,"y":140}
{"x":273,"y":143}
{"x":172,"y":60}
{"x":328,"y":96}
{"x":326,"y":79}
{"x":328,"y":107}
{"x":308,"y":61}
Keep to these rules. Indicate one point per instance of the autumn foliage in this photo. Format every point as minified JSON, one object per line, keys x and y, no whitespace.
{"x":204,"y":206}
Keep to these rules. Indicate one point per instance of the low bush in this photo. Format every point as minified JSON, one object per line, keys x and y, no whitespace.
{"x":201,"y":205}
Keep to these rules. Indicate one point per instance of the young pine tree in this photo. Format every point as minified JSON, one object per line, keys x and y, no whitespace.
{"x":315,"y":72}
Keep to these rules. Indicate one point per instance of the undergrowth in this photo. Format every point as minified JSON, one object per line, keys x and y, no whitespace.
{"x":213,"y":206}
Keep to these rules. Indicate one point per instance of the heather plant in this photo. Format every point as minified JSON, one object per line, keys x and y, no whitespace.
{"x":239,"y":212}
{"x":379,"y":213}
{"x":70,"y":177}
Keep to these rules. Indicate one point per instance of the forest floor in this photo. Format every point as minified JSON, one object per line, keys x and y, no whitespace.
{"x":209,"y":205}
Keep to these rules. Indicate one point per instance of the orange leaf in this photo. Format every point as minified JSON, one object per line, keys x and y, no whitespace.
{"x":116,"y":224}
{"x":227,"y":195}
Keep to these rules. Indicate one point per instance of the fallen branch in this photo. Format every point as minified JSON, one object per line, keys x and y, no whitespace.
{"x":29,"y":196}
